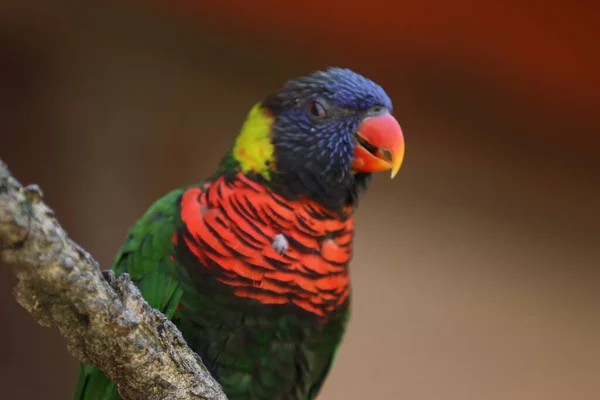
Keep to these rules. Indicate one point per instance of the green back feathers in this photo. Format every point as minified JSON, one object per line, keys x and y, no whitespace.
{"x":145,"y":256}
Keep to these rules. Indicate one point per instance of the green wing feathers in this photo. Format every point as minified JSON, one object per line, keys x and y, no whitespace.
{"x":145,"y":256}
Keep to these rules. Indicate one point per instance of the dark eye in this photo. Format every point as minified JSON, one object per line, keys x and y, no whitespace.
{"x":377,"y":109}
{"x":317,"y":109}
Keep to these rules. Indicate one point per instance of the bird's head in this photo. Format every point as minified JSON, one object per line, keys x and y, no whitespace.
{"x":320,"y":134}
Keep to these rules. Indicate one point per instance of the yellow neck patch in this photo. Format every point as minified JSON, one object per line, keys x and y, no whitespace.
{"x":253,"y":148}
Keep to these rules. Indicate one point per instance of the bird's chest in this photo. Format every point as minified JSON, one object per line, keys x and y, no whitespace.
{"x":267,"y":249}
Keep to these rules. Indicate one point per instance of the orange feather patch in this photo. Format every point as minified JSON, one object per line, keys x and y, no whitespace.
{"x":232,"y":224}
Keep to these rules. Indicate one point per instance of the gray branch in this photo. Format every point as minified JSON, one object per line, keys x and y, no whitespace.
{"x":104,"y":319}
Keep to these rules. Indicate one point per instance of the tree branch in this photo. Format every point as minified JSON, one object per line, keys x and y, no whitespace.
{"x":104,"y":319}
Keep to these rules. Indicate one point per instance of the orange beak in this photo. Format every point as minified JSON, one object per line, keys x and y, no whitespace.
{"x":379,"y":146}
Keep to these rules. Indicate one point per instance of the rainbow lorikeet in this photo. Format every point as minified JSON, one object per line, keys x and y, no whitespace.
{"x":252,"y":264}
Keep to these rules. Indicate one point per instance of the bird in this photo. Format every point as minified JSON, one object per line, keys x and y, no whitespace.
{"x":252,"y":264}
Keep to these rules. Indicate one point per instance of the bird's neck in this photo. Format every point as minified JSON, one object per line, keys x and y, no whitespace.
{"x":331,"y":195}
{"x":296,"y":186}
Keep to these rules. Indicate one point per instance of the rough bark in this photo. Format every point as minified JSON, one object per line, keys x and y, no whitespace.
{"x":104,"y":319}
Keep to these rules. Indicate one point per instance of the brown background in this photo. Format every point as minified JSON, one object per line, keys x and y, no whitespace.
{"x":477,"y":269}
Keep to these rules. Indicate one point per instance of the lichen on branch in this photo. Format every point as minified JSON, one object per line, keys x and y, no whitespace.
{"x":104,"y":319}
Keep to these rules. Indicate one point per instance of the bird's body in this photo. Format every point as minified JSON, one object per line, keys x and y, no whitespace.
{"x":252,"y":264}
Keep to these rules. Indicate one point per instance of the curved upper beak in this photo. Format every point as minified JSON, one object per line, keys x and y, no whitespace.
{"x":379,"y":145}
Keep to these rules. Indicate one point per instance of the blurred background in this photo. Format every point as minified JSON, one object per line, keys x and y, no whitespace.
{"x":477,"y":269}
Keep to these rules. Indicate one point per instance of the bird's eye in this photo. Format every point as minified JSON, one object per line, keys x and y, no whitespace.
{"x":317,"y":109}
